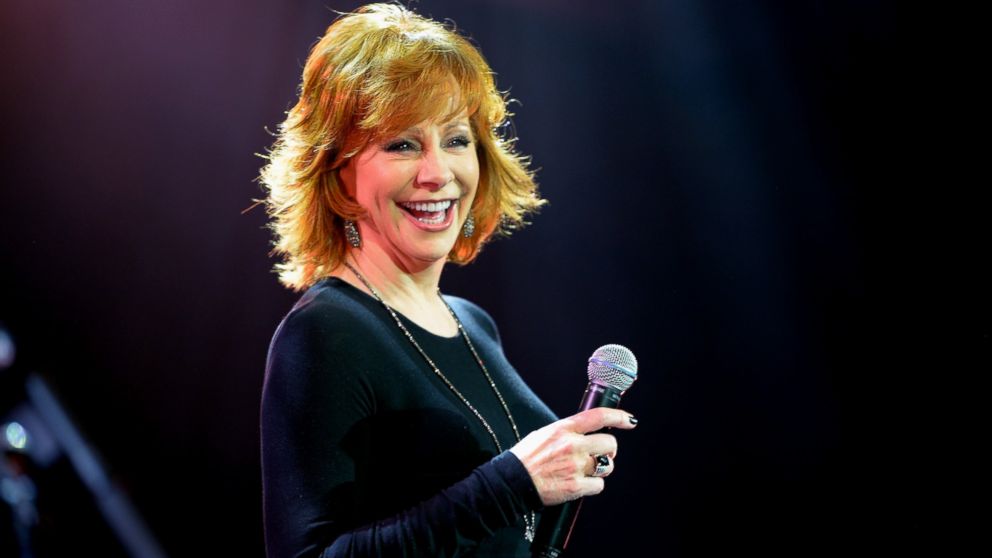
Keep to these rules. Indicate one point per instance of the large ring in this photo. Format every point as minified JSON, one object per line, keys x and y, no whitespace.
{"x":602,"y":464}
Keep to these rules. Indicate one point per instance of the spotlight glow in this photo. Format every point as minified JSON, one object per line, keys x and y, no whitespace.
{"x":6,"y":349}
{"x":17,"y":437}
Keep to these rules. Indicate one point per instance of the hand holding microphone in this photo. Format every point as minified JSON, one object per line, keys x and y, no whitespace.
{"x":569,"y":458}
{"x":561,"y":457}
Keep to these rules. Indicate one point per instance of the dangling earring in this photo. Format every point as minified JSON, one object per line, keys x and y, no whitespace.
{"x":351,"y":233}
{"x":468,"y":229}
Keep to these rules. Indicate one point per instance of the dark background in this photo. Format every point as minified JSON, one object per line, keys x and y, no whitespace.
{"x":730,"y":198}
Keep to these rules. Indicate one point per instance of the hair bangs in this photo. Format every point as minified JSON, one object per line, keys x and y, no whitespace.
{"x":425,"y":83}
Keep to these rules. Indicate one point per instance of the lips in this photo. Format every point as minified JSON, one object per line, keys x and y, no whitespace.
{"x":429,"y":212}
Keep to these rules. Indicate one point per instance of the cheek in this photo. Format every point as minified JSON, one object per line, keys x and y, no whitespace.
{"x":468,"y":173}
{"x":377,"y":184}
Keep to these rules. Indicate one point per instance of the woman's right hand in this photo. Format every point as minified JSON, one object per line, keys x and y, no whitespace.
{"x":561,"y":457}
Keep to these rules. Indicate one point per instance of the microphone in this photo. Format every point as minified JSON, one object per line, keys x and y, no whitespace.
{"x":612,"y":370}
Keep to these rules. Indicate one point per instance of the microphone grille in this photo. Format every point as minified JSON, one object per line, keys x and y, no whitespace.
{"x":613,"y":366}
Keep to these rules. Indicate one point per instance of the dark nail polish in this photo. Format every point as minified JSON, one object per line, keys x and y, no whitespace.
{"x":632,"y":420}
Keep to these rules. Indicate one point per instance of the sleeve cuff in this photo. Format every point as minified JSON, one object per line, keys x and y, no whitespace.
{"x":515,"y":475}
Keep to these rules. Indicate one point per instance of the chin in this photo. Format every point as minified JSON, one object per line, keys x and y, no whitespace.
{"x":433,"y":254}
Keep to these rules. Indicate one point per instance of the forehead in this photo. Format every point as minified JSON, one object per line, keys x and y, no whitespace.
{"x":442,"y":121}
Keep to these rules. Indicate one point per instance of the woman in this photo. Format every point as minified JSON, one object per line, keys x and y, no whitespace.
{"x":391,"y":420}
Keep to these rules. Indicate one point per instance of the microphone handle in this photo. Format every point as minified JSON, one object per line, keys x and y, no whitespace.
{"x":557,"y":522}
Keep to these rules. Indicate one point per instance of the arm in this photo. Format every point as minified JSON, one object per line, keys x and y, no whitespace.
{"x":315,"y":393}
{"x":460,"y":516}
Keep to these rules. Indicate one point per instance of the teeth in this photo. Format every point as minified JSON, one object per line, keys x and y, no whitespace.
{"x":437,"y":221}
{"x":429,"y":206}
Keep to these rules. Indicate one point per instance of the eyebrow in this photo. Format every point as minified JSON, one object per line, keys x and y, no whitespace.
{"x":456,"y":124}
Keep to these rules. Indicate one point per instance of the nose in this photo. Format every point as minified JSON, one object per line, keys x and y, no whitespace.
{"x":435,"y":170}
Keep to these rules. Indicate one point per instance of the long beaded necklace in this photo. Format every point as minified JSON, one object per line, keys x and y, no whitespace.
{"x":530,"y":519}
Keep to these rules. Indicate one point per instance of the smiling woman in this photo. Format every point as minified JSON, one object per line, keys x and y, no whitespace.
{"x":392,"y":423}
{"x":378,"y":76}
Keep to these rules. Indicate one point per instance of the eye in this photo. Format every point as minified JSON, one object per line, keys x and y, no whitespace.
{"x":400,"y":146}
{"x":459,"y":141}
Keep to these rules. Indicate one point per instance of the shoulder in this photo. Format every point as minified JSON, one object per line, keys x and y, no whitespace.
{"x":326,"y":308}
{"x":330,"y":327}
{"x":473,"y":317}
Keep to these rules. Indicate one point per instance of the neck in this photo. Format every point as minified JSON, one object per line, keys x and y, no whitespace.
{"x":393,"y":279}
{"x":411,"y":290}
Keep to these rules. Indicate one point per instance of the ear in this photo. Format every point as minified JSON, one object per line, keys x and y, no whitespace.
{"x":347,"y":177}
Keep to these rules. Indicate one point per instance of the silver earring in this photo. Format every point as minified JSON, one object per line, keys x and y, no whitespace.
{"x":468,"y":229}
{"x":351,"y":233}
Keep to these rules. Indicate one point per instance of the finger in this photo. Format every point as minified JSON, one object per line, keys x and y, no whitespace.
{"x":589,"y":486}
{"x":599,"y":444}
{"x":599,"y":418}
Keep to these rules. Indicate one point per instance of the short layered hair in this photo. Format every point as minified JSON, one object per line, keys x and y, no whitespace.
{"x":374,"y":73}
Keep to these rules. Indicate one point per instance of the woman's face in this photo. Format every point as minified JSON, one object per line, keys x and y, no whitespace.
{"x":417,"y":188}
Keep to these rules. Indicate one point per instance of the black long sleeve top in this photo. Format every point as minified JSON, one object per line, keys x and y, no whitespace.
{"x":366,"y":452}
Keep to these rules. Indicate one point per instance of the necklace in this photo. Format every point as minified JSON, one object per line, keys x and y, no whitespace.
{"x":529,"y":518}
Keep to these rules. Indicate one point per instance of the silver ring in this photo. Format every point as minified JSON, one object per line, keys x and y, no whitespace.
{"x":602,"y":464}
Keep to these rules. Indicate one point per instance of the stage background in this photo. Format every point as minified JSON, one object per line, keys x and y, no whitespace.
{"x":727,"y":198}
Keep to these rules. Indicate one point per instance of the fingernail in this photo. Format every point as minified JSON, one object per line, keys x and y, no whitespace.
{"x":632,"y":420}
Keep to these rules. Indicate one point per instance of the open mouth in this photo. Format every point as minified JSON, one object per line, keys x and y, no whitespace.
{"x":429,"y":213}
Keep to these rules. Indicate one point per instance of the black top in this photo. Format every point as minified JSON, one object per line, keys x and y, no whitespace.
{"x":366,"y":452}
